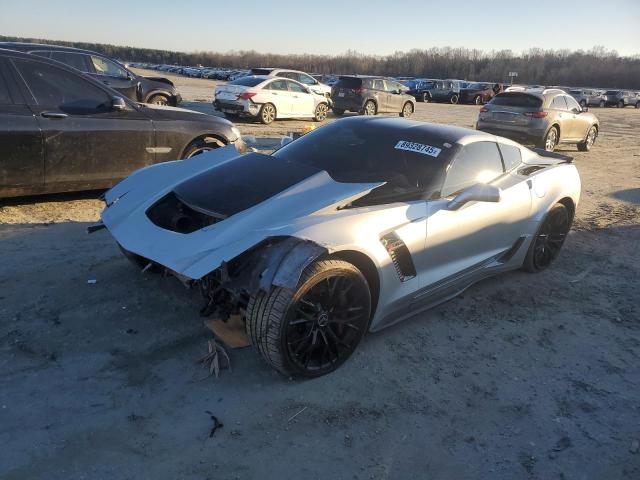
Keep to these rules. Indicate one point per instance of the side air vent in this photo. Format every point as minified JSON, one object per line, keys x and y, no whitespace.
{"x":400,"y":256}
{"x":526,"y":171}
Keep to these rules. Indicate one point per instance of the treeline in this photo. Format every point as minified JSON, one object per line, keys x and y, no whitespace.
{"x":597,"y":67}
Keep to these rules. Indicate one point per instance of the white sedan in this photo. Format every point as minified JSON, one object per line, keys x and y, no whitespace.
{"x":269,"y":98}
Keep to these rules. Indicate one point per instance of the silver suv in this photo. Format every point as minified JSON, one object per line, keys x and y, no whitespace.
{"x":545,"y":118}
{"x":589,"y":98}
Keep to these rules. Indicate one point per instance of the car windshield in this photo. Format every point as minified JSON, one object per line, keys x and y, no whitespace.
{"x":361,"y":152}
{"x":476,"y":86}
{"x":247,"y":81}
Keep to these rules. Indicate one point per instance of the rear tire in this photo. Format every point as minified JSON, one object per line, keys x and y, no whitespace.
{"x":621,"y":104}
{"x":477,"y":100}
{"x":407,"y":110}
{"x":369,"y":108}
{"x":425,"y":98}
{"x":602,"y":104}
{"x":267,"y":113}
{"x":546,"y":245}
{"x":454,"y":99}
{"x":638,"y":104}
{"x":590,"y":139}
{"x":313,"y":329}
{"x":550,"y":140}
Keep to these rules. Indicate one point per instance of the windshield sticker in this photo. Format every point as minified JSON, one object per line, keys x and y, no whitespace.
{"x":418,"y":148}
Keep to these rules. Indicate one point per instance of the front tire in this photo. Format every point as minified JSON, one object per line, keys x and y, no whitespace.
{"x":477,"y":100}
{"x":602,"y":104}
{"x":590,"y":139}
{"x":407,"y":110}
{"x":583,"y":103}
{"x":338,"y":111}
{"x":549,"y":239}
{"x":313,"y":329}
{"x":321,"y":112}
{"x":454,"y":99}
{"x":200,"y":146}
{"x":621,"y":104}
{"x":425,"y":98}
{"x":267,"y":113}
{"x":158,"y":100}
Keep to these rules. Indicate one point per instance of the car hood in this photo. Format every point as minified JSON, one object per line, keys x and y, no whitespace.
{"x":165,"y":112}
{"x":248,"y":204}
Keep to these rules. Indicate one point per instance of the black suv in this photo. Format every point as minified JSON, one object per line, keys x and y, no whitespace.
{"x":156,"y":90}
{"x":60,"y":130}
{"x":370,"y":96}
{"x":436,"y":91}
{"x":621,"y":98}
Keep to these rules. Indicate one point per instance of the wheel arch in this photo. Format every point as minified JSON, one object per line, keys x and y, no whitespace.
{"x":152,"y":93}
{"x":208,"y":138}
{"x":368,"y":268}
{"x":570,"y":206}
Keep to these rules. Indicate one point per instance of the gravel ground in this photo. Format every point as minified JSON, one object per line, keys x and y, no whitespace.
{"x":522,"y":376}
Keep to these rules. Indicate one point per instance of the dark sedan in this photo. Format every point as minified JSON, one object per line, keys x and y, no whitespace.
{"x":157,"y":90}
{"x":60,"y":130}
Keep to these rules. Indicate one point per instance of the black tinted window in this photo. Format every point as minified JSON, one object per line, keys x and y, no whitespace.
{"x":349,"y":83}
{"x":74,"y":60}
{"x":510,"y":155}
{"x":517,"y":100}
{"x":248,"y":81}
{"x":477,"y":163}
{"x":54,"y":87}
{"x":366,"y":152}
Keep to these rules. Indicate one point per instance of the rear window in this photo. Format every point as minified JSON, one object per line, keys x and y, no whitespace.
{"x":349,"y":82}
{"x":517,"y":99}
{"x":260,"y":71}
{"x":247,"y":81}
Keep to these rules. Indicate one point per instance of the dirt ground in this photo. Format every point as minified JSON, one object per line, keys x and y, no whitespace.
{"x":522,"y":376}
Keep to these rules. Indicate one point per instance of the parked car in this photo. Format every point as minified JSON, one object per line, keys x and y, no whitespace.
{"x":436,"y":91}
{"x":269,"y":98}
{"x":622,"y":98}
{"x":351,"y":228}
{"x":545,"y":118}
{"x":588,"y":97}
{"x":61,"y":130}
{"x":157,"y":90}
{"x":479,"y":92}
{"x":371,"y":95}
{"x":302,"y":77}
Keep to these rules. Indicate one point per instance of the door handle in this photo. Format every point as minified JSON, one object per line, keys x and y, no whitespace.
{"x":54,"y":115}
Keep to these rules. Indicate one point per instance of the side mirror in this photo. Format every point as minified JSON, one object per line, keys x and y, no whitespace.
{"x":478,"y":192}
{"x":118,"y":104}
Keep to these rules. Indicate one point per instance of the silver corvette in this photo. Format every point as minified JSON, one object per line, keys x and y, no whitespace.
{"x":351,"y":228}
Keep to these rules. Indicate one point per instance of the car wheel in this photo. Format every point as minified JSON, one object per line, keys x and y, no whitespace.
{"x":267,"y":113}
{"x":198,"y":147}
{"x":592,"y":134}
{"x":454,"y":99}
{"x":549,"y":238}
{"x":621,"y":104}
{"x":338,"y":111}
{"x":550,"y":140}
{"x":321,"y":112}
{"x":583,"y":103}
{"x":158,"y":100}
{"x":407,"y":110}
{"x":369,"y":108}
{"x":311,"y":330}
{"x":638,"y":104}
{"x":425,"y":97}
{"x":601,"y":104}
{"x":477,"y":100}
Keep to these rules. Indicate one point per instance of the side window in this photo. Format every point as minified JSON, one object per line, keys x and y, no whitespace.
{"x":391,"y":86}
{"x":378,"y":85}
{"x":55,"y":87}
{"x":511,"y":156}
{"x":572,"y":104}
{"x":559,"y":103}
{"x":280,"y":85}
{"x":104,"y":66}
{"x":477,"y":163}
{"x":295,"y":88}
{"x":75,"y":60}
{"x":306,"y":79}
{"x":285,"y":74}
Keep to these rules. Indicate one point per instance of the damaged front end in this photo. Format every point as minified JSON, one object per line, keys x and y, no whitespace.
{"x":276,"y":261}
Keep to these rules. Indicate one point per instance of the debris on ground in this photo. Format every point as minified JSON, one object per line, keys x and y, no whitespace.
{"x":212,"y":359}
{"x":216,"y":423}
{"x":294,"y":416}
{"x":232,"y":332}
{"x":91,"y":281}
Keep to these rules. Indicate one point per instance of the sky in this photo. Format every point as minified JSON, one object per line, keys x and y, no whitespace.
{"x":330,"y":26}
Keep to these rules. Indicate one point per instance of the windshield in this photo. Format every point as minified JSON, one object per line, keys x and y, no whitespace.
{"x":475,"y":86}
{"x":370,"y":151}
{"x":612,"y":92}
